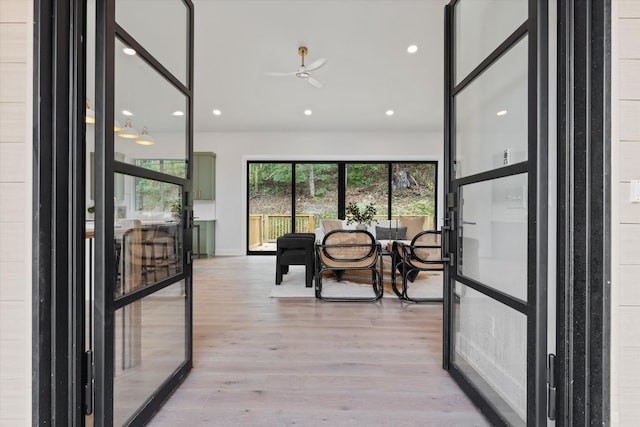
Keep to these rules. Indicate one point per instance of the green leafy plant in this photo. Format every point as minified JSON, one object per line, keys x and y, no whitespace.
{"x":176,"y":209}
{"x":360,"y":214}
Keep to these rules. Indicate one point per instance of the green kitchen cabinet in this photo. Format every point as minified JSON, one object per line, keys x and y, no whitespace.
{"x":204,"y":176}
{"x":206,"y":247}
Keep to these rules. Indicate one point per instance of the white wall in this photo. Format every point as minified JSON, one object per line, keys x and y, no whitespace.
{"x":625,"y":289}
{"x":16,"y":50}
{"x":234,"y":149}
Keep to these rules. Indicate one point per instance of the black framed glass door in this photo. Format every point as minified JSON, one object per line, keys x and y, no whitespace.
{"x":142,"y":172}
{"x":496,"y":219}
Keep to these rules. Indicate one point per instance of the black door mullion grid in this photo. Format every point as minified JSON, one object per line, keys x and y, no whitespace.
{"x":503,"y":172}
{"x":506,"y":299}
{"x":535,"y":167}
{"x":504,"y":47}
{"x":105,"y":167}
{"x":127,"y":39}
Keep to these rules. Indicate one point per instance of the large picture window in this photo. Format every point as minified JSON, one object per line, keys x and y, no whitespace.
{"x":156,"y":196}
{"x":278,"y":192}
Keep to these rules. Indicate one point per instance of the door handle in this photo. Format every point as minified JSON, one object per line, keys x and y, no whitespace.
{"x":449,"y":221}
{"x":449,"y":225}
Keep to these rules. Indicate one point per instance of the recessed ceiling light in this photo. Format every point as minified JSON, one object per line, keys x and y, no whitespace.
{"x":129,"y":51}
{"x":307,"y":112}
{"x":389,"y":112}
{"x":127,"y":113}
{"x":177,"y":113}
{"x":501,"y":113}
{"x":412,"y":49}
{"x":217,"y":112}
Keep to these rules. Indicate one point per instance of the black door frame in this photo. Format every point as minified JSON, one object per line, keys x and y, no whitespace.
{"x":584,"y":212}
{"x":107,"y":31}
{"x":584,"y":113}
{"x":580,"y":376}
{"x":58,"y":213}
{"x":535,"y":306}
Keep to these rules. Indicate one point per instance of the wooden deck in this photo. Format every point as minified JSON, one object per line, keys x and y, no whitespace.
{"x":260,"y":361}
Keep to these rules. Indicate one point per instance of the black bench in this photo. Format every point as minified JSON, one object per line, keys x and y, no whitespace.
{"x":295,"y":249}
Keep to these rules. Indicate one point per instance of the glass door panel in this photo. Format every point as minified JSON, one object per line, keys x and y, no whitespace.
{"x":491,"y":116}
{"x":316,"y":195}
{"x":495,"y":339}
{"x":149,"y":346}
{"x":481,"y":25}
{"x":148,"y":234}
{"x":162,"y":27}
{"x":493,"y":234}
{"x":491,"y":350}
{"x":151,"y":114}
{"x":143,"y":223}
{"x":270,"y":210}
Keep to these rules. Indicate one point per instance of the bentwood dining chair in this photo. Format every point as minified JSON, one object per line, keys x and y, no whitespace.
{"x":346,"y":250}
{"x":408,"y":260}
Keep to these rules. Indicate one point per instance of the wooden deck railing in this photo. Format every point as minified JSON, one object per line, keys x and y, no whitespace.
{"x":255,"y":231}
{"x":267,"y":228}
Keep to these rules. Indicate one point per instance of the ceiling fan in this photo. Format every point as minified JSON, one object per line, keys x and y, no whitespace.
{"x":303,"y":71}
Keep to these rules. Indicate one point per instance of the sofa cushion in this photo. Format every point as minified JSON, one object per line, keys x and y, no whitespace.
{"x":327,"y":225}
{"x":384,"y":233}
{"x":414,"y":224}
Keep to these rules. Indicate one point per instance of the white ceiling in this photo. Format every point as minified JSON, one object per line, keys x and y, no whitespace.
{"x":368,"y":69}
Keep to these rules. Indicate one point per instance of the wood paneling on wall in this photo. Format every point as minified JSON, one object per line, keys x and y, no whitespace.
{"x":15,"y":194}
{"x":626,"y":292}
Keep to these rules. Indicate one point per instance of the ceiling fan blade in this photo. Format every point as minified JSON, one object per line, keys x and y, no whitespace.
{"x":292,"y":73}
{"x":316,"y":64}
{"x":313,"y":82}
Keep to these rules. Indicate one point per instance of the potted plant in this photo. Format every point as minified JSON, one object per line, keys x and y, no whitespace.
{"x":362,"y":215}
{"x":176,"y":210}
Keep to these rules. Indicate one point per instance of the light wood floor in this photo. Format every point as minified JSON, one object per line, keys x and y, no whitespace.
{"x":260,"y":361}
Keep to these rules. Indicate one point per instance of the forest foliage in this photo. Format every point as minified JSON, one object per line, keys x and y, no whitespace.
{"x":413,"y":187}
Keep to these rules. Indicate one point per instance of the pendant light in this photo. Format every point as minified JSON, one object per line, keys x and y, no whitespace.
{"x":128,"y":131}
{"x":117,"y":127}
{"x":145,"y":138}
{"x":89,"y":114}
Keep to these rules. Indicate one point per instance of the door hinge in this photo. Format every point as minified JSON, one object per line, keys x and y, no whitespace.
{"x":189,"y":257}
{"x":551,"y":387}
{"x":87,"y":383}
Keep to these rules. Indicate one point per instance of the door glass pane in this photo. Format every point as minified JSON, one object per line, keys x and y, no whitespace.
{"x":482,"y":25}
{"x":491,"y":116}
{"x":493,"y":234}
{"x":316,"y":195}
{"x":270,"y":187}
{"x":148,"y":233}
{"x":490,"y":348}
{"x":368,"y":183}
{"x":146,"y":113}
{"x":161,"y":26}
{"x":413,"y":199}
{"x":149,"y":347}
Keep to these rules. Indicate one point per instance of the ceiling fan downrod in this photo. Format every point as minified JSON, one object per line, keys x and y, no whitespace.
{"x":302,"y":51}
